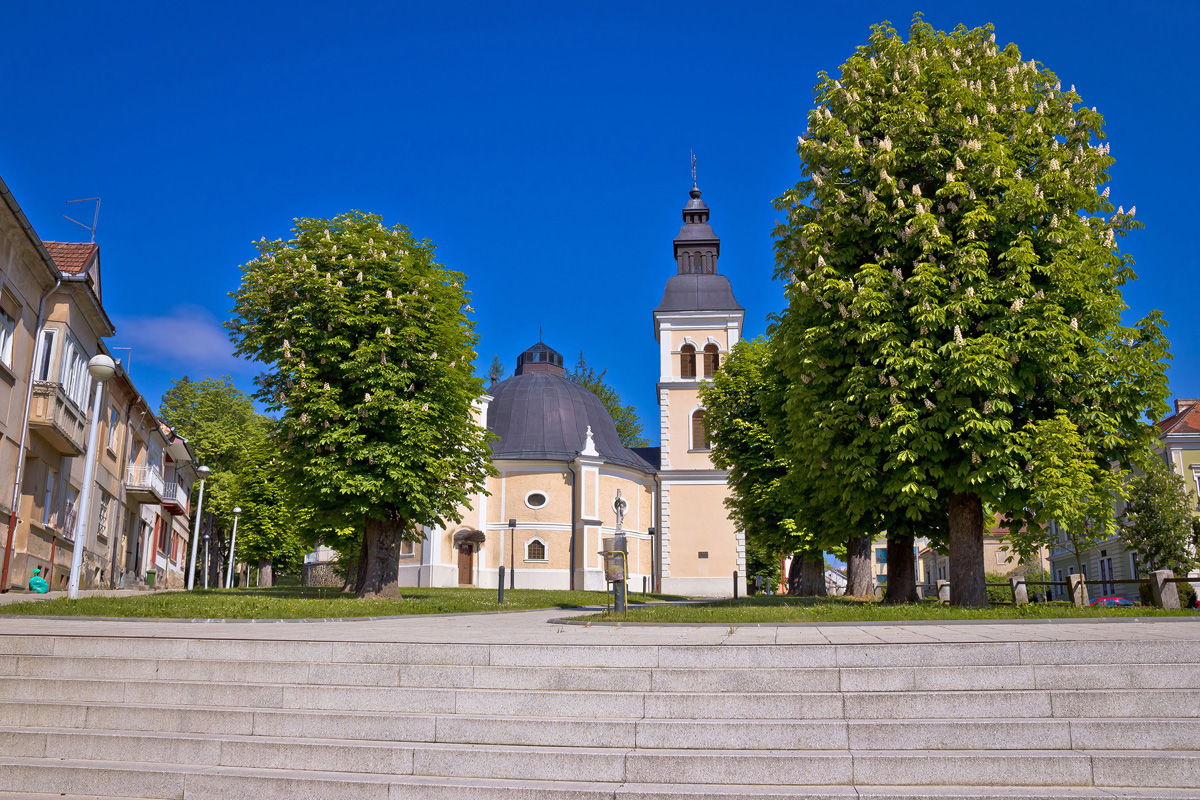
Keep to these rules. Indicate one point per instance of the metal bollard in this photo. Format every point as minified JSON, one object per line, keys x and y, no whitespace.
{"x":735,"y":586}
{"x":645,"y":578}
{"x":500,"y":585}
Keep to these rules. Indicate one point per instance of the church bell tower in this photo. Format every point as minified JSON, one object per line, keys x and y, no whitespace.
{"x":696,"y":324}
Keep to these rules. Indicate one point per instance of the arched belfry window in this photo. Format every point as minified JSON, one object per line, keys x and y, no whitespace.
{"x":699,"y":432}
{"x":711,"y":360}
{"x":687,"y":361}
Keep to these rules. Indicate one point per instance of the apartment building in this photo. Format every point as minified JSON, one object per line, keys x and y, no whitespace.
{"x":1113,"y":560}
{"x":27,"y":275}
{"x":52,"y":321}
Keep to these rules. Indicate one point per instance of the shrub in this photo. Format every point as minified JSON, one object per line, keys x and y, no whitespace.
{"x":1187,"y":595}
{"x":998,"y":594}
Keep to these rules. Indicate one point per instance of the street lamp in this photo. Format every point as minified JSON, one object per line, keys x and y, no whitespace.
{"x":207,"y":563}
{"x":203,"y":472}
{"x":101,"y":368}
{"x":232,"y":543}
{"x":512,"y":554}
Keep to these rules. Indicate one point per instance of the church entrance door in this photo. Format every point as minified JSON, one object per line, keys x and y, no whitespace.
{"x":466,"y":557}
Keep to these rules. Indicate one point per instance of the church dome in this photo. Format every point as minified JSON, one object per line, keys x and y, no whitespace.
{"x":540,"y":414}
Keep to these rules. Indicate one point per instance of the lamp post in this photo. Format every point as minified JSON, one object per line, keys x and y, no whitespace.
{"x":512,"y":554}
{"x":207,"y":563}
{"x":101,"y":368}
{"x":203,"y":472}
{"x":232,"y":544}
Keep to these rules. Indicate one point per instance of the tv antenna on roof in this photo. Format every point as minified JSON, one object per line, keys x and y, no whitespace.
{"x":95,"y":219}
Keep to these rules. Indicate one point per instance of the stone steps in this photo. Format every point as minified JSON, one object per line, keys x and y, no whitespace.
{"x":1078,"y":767}
{"x":949,"y":704}
{"x":435,"y":676}
{"x":769,"y":775}
{"x":1135,"y":733}
{"x":208,"y":718}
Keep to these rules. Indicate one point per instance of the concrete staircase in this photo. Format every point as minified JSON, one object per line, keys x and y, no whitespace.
{"x":224,"y":718}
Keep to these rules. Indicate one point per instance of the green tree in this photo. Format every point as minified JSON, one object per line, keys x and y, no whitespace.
{"x":275,"y":527}
{"x":741,"y":410}
{"x":237,"y":444}
{"x":495,"y":370}
{"x":629,"y":426}
{"x":953,"y":274}
{"x":218,"y":420}
{"x":369,"y":352}
{"x":1158,"y":518}
{"x":1068,"y":486}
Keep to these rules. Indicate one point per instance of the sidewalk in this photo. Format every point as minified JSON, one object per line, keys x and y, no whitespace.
{"x":14,"y":596}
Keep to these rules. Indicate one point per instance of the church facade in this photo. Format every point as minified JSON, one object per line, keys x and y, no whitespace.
{"x":560,"y":463}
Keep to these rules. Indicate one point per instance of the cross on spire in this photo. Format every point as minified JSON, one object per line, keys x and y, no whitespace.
{"x":693,"y":155}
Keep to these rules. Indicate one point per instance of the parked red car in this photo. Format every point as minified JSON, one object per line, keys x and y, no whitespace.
{"x":1112,"y":601}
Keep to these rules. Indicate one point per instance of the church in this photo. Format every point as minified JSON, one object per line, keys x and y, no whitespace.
{"x":560,"y":463}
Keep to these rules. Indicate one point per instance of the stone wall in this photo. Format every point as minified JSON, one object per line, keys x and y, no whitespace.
{"x":321,"y":574}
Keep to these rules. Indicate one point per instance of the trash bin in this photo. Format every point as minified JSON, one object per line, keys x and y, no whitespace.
{"x":150,"y":576}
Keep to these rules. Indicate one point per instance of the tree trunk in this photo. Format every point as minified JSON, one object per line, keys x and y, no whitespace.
{"x":858,"y":567}
{"x":795,"y":575}
{"x":381,"y":555}
{"x":967,"y":582}
{"x":266,"y":577}
{"x":812,"y":574}
{"x":901,"y":570}
{"x":360,"y":566}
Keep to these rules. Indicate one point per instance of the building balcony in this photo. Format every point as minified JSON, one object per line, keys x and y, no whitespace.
{"x":144,"y":485}
{"x":56,"y":418}
{"x":175,"y":500}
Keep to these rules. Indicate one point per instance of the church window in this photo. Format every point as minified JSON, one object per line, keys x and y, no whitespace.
{"x":699,"y":432}
{"x":687,"y":361}
{"x":536,"y":500}
{"x":535,"y":550}
{"x":711,"y":359}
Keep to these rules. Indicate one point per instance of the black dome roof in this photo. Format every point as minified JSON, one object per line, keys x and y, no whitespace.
{"x":546,"y":416}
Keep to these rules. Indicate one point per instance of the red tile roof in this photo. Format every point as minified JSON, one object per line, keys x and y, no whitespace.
{"x":1185,"y":421}
{"x":72,"y":257}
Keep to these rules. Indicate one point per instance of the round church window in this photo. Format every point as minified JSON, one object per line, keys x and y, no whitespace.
{"x":535,"y":500}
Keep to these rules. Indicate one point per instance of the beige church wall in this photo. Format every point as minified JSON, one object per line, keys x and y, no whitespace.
{"x":516,"y":485}
{"x":699,"y":522}
{"x":682,"y":402}
{"x":639,"y":494}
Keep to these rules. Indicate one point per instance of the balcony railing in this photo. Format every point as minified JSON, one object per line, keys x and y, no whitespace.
{"x":175,"y":499}
{"x":144,"y":485}
{"x":56,"y":417}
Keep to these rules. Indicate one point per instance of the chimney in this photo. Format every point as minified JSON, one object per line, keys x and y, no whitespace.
{"x":1182,"y":404}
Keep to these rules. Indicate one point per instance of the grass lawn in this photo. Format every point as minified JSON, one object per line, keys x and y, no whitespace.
{"x":775,"y":608}
{"x":295,"y":602}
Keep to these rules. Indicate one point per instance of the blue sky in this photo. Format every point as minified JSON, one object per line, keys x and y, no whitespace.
{"x":542,"y":147}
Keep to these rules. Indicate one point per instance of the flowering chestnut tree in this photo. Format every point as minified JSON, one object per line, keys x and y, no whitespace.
{"x":954,"y":275}
{"x":369,"y":352}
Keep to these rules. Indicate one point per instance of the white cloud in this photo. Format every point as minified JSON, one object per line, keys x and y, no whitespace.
{"x":188,"y":340}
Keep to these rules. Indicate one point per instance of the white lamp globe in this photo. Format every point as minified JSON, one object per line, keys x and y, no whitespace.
{"x":101,"y":367}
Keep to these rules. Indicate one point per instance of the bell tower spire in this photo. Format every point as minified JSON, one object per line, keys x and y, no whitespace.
{"x":696,"y":247}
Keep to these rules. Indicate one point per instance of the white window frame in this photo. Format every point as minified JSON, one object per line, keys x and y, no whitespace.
{"x":47,"y":342}
{"x":408,"y":548}
{"x":71,"y":507}
{"x":114,"y":418}
{"x":49,"y":509}
{"x":73,"y":372}
{"x":8,"y":333}
{"x":691,"y":425}
{"x":545,"y":550}
{"x":1133,"y":564}
{"x":102,"y":518}
{"x":545,"y":499}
